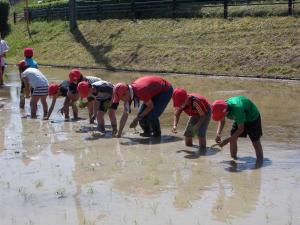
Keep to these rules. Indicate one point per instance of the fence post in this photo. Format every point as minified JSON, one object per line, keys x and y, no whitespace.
{"x":225,"y":9}
{"x":15,"y":17}
{"x":290,"y":7}
{"x":174,"y":9}
{"x":72,"y":12}
{"x":133,"y":9}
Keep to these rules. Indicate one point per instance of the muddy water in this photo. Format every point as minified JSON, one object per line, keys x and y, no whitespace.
{"x":55,"y":172}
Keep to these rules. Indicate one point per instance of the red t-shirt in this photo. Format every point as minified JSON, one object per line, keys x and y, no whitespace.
{"x":145,"y":88}
{"x":198,"y":99}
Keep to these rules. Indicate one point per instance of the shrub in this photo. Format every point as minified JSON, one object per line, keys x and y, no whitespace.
{"x":4,"y":12}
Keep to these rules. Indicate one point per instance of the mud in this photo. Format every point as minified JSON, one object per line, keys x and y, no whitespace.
{"x":56,"y":172}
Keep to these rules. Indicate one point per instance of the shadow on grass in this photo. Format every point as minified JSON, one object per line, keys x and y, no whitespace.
{"x":132,"y":56}
{"x":245,"y":163}
{"x":98,"y":51}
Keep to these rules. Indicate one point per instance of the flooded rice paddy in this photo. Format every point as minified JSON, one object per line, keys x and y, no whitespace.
{"x":56,"y":172}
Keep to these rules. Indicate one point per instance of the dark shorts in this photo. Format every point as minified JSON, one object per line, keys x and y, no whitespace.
{"x":252,"y":129}
{"x":201,"y":132}
{"x":73,"y":88}
{"x":90,"y":98}
{"x":22,"y":87}
{"x":104,"y":105}
{"x":63,"y":91}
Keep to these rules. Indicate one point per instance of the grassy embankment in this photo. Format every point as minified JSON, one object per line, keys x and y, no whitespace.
{"x":240,"y":46}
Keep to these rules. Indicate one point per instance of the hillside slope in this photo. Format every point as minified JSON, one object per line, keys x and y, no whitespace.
{"x":257,"y":46}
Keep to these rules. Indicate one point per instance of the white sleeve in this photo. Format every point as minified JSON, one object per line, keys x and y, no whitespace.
{"x":4,"y":46}
{"x":24,"y":74}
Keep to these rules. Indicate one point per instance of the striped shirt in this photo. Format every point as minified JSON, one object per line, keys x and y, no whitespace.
{"x":104,"y":90}
{"x":91,"y":79}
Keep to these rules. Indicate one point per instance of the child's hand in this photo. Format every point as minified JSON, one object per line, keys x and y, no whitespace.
{"x":224,"y":142}
{"x":218,"y":139}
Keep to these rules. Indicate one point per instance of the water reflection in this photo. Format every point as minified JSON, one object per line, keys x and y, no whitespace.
{"x":138,"y":180}
{"x":238,"y":195}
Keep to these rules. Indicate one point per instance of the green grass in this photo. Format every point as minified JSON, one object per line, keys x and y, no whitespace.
{"x":264,"y":46}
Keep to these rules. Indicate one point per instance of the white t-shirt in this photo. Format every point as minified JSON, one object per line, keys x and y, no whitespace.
{"x":35,"y":78}
{"x":3,"y":49}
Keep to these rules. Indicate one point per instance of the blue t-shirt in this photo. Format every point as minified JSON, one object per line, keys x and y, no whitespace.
{"x":31,"y":63}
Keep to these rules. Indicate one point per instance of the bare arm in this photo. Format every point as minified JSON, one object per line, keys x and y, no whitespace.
{"x":52,"y":106}
{"x":148,"y":109}
{"x":177,"y":114}
{"x":122,"y":123}
{"x":27,"y":91}
{"x":234,"y":136}
{"x":221,"y":125}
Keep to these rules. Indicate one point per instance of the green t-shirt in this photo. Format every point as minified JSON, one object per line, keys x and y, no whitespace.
{"x":241,"y":109}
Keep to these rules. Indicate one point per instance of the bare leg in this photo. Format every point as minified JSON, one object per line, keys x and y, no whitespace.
{"x":90,"y":106}
{"x":202,"y":143}
{"x":33,"y":105}
{"x":75,"y":110}
{"x":258,"y":150}
{"x":66,"y":107}
{"x":189,"y":141}
{"x":45,"y":105}
{"x":233,"y":148}
{"x":22,"y":101}
{"x":1,"y":74}
{"x":113,"y":120}
{"x":100,"y":121}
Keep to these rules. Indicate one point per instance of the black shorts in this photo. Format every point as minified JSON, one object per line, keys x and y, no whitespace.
{"x":252,"y":129}
{"x":73,"y":88}
{"x":22,"y":87}
{"x":90,"y":98}
{"x":104,"y":105}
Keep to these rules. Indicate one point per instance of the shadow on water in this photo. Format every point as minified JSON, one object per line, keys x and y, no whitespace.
{"x":150,"y":140}
{"x":196,"y":154}
{"x":246,"y":163}
{"x":63,"y":120}
{"x":100,"y":50}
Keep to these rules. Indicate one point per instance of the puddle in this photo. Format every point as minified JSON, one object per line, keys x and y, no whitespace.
{"x":57,"y":172}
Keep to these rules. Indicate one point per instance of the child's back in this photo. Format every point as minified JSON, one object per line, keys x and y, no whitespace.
{"x":28,"y":54}
{"x":31,"y":63}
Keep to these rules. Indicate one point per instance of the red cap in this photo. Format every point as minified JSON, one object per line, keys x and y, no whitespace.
{"x":53,"y":89}
{"x":74,"y":75}
{"x":179,"y":96}
{"x":22,"y":64}
{"x":83,"y":89}
{"x":119,"y":90}
{"x":28,"y":52}
{"x":219,"y":109}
